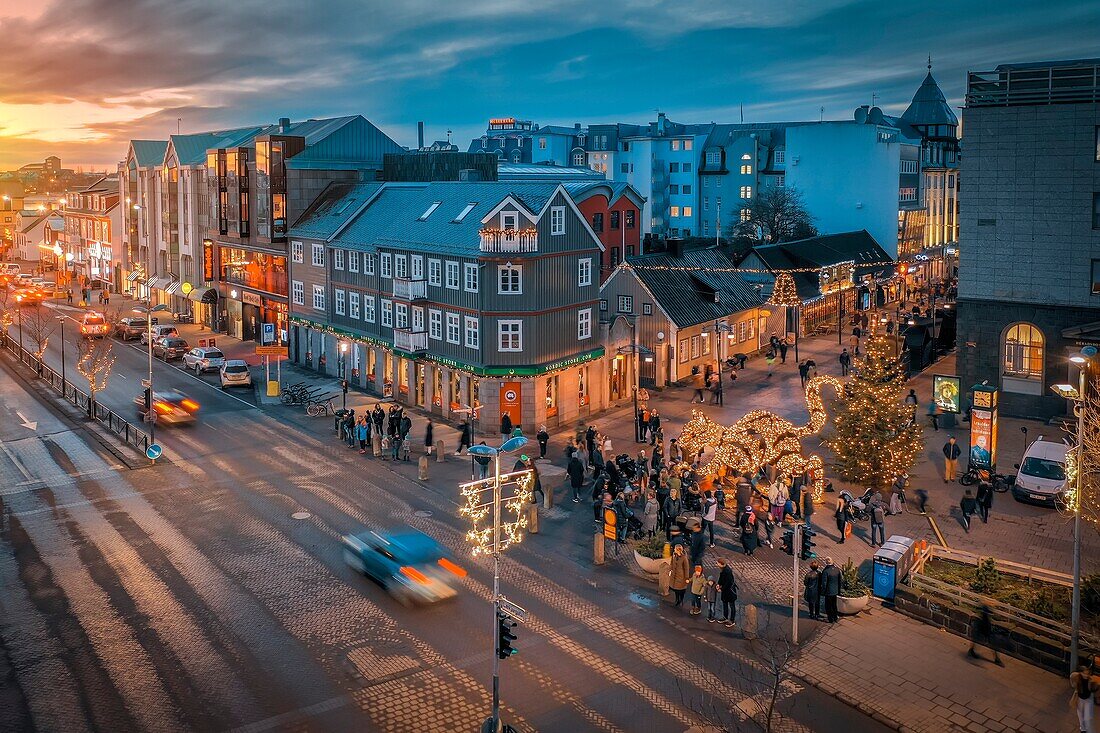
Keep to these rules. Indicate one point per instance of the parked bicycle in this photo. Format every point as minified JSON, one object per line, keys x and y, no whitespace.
{"x":999,"y":481}
{"x":322,"y":406}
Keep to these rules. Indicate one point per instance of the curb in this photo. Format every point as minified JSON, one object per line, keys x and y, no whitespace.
{"x":852,"y":702}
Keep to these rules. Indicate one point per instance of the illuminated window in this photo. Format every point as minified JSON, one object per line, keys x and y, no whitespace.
{"x":746,"y":170}
{"x":674,"y":211}
{"x":746,"y":192}
{"x":1023,"y":352}
{"x":687,"y":211}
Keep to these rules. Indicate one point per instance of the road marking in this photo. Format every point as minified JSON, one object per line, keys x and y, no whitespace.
{"x":192,"y":376}
{"x":30,"y":425}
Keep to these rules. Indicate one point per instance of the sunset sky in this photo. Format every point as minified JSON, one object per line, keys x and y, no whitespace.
{"x":78,"y":78}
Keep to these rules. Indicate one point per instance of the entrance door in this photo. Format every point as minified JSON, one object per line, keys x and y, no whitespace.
{"x":250,"y":322}
{"x":616,"y":378}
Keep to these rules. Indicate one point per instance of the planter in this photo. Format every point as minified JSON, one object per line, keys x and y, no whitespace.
{"x":852,"y":606}
{"x":649,"y":564}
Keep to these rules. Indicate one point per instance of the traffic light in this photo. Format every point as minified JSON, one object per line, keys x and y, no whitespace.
{"x":808,"y":543}
{"x":788,"y":541}
{"x":505,"y":637}
{"x":148,"y":399}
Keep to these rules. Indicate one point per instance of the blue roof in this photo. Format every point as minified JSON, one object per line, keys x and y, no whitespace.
{"x":348,"y":143}
{"x":333,"y":207}
{"x":535,"y":172}
{"x":191,"y":149}
{"x":149,"y":153}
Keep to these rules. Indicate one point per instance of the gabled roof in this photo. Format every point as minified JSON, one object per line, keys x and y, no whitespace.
{"x":149,"y":153}
{"x":336,"y":204}
{"x":32,"y":223}
{"x":929,"y":106}
{"x":191,"y":149}
{"x":348,"y":143}
{"x":614,"y":190}
{"x":688,"y":295}
{"x":558,"y":130}
{"x":824,"y":251}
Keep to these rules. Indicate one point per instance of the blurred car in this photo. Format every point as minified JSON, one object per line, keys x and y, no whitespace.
{"x":39,"y":282}
{"x":409,"y":564}
{"x":158,"y":332}
{"x":22,"y":280}
{"x":93,"y":325}
{"x":171,"y":406}
{"x":203,"y":359}
{"x":30,"y":296}
{"x":170,"y":347}
{"x":131,"y":328}
{"x":235,"y":373}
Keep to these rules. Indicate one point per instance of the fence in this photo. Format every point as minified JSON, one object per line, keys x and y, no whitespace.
{"x":121,"y":427}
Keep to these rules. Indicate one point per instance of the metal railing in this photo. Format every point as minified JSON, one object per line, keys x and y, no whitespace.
{"x":509,"y":241}
{"x":1006,"y":87}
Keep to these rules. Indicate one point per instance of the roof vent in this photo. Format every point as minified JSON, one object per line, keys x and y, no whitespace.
{"x":284,"y":124}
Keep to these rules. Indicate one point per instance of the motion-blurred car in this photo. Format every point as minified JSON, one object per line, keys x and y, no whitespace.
{"x":410,"y":565}
{"x":170,"y":347}
{"x":235,"y":373}
{"x":171,"y":407}
{"x":158,"y":332}
{"x":131,"y":328}
{"x":203,"y":359}
{"x":93,"y":325}
{"x":30,"y":296}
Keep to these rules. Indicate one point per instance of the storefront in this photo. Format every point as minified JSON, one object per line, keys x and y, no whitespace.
{"x":253,"y":286}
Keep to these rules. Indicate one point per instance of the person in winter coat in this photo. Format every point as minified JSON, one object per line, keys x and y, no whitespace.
{"x":505,"y":425}
{"x":727,"y":592}
{"x":482,"y":465}
{"x":698,"y":587}
{"x":649,"y":515}
{"x":710,"y":514}
{"x":841,"y":516}
{"x":747,"y":525}
{"x":654,"y":426}
{"x":710,"y":595}
{"x":675,"y":455}
{"x":405,"y":427}
{"x":678,"y":574}
{"x":543,"y":439}
{"x":575,"y":469}
{"x":597,"y":461}
{"x":829,"y":586}
{"x":378,"y":416}
{"x":465,"y":439}
{"x":673,"y":508}
{"x":429,"y":443}
{"x":698,"y":545}
{"x":968,"y":505}
{"x":362,"y":433}
{"x":779,"y":504}
{"x":812,"y":593}
{"x":590,"y":439}
{"x":984,"y":499}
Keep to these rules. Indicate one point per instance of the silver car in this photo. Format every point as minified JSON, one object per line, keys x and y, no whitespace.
{"x":203,"y":359}
{"x":234,"y":373}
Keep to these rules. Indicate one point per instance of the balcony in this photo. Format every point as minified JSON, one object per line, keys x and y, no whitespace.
{"x":409,"y":290}
{"x":409,"y":341}
{"x":509,"y":240}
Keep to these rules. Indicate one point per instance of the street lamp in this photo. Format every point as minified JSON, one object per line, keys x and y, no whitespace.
{"x":718,"y":329}
{"x":150,"y":415}
{"x":61,"y":319}
{"x":635,"y":348}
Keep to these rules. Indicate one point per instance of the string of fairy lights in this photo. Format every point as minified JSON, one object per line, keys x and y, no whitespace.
{"x":477,"y":509}
{"x":750,"y":270}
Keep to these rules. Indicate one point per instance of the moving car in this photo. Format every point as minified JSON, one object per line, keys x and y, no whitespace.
{"x":131,"y":328}
{"x":158,"y":332}
{"x":235,"y":373}
{"x":170,"y":347}
{"x":30,"y":296}
{"x":203,"y":359}
{"x":93,"y":325}
{"x":1041,"y":475}
{"x":409,"y":564}
{"x":172,"y":407}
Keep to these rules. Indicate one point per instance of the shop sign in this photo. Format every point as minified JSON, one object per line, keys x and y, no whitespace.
{"x":207,"y":260}
{"x":250,"y":298}
{"x":511,"y":401}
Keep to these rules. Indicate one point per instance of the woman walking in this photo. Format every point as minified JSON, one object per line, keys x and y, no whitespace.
{"x":678,"y":574}
{"x":748,"y":530}
{"x":841,"y":515}
{"x":812,"y":594}
{"x":649,"y":515}
{"x":1085,"y":688}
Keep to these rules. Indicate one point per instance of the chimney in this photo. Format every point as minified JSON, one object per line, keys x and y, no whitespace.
{"x":420,"y":135}
{"x":577,"y":126}
{"x":675,"y":246}
{"x":284,"y":124}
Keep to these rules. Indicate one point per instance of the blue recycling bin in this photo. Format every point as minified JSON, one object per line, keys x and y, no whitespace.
{"x":890,"y":565}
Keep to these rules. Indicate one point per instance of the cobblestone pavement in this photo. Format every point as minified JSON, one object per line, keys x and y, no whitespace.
{"x":187,"y":597}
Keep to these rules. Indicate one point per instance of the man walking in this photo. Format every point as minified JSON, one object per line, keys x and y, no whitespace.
{"x":985,"y":500}
{"x":812,"y":594}
{"x":951,"y":453}
{"x":967,"y":505}
{"x":727,"y":587}
{"x":878,"y":520}
{"x":576,"y":476}
{"x":803,"y":372}
{"x":543,"y":439}
{"x":698,"y":383}
{"x":783,"y":351}
{"x":710,"y":513}
{"x":830,"y":589}
{"x":654,"y":426}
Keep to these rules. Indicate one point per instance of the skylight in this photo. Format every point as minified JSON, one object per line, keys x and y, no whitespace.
{"x":435,"y":205}
{"x":462,"y":214}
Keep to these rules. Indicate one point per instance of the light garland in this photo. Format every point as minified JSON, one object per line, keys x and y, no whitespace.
{"x":784,"y":292}
{"x":753,"y":270}
{"x":477,"y":508}
{"x":763,"y":438}
{"x":492,"y":232}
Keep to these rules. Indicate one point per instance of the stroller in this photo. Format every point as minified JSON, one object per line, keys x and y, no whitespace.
{"x":858,"y":509}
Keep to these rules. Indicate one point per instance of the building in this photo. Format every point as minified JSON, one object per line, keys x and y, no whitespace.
{"x":11,"y":203}
{"x":452,"y":296}
{"x":1029,"y":273}
{"x":521,"y":141}
{"x":140,"y":220}
{"x":90,"y":239}
{"x":688,"y":310}
{"x":37,"y":232}
{"x":613,"y":211}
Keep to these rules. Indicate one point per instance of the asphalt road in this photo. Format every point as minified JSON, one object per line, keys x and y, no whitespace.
{"x":186,"y":596}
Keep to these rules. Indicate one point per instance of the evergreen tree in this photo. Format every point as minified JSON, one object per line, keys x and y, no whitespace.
{"x":874,"y":436}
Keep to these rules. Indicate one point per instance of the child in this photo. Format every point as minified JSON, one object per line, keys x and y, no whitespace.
{"x":698,"y":588}
{"x":361,"y":433}
{"x":712,"y":598}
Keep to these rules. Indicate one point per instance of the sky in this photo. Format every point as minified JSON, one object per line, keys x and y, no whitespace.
{"x":80,"y":78}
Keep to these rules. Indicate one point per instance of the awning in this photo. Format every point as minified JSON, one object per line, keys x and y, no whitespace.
{"x":135,"y":275}
{"x":203,"y":295}
{"x":157,"y":283}
{"x":173,"y":287}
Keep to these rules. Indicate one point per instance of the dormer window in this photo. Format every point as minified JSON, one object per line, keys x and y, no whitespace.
{"x":509,"y":222}
{"x":435,"y":205}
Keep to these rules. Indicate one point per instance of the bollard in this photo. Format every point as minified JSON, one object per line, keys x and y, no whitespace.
{"x":533,"y":518}
{"x":663,"y":578}
{"x":547,"y":496}
{"x":748,"y":621}
{"x":440,"y":453}
{"x":376,"y":444}
{"x":597,"y":549}
{"x":423,"y":472}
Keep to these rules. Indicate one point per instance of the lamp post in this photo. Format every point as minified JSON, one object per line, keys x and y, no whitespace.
{"x":150,"y":415}
{"x":720,"y":327}
{"x":61,"y":319}
{"x":635,"y":348}
{"x":57,"y":253}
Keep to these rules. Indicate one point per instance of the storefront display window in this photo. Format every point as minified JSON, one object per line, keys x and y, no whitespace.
{"x":254,"y":270}
{"x":456,"y":390}
{"x":387,"y":375}
{"x":421,"y":373}
{"x":403,"y":376}
{"x":552,"y":396}
{"x":437,"y":387}
{"x":582,"y":386}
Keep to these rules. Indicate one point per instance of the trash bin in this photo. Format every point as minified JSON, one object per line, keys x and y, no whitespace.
{"x":890,"y":565}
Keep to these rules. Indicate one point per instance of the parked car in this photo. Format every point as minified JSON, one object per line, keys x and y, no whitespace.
{"x":22,"y":280}
{"x":409,"y":564}
{"x":203,"y":359}
{"x":235,"y":373}
{"x":1041,"y":474}
{"x":171,"y":406}
{"x":170,"y":347}
{"x":131,"y":328}
{"x":158,"y":332}
{"x":93,"y":325}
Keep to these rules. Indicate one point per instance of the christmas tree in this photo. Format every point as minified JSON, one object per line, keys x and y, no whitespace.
{"x":874,"y":436}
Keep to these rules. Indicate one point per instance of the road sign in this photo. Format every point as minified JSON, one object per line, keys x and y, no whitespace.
{"x":511,"y":610}
{"x":268,"y":333}
{"x":272,"y":351}
{"x":154,"y":451}
{"x":150,"y":416}
{"x":145,"y":384}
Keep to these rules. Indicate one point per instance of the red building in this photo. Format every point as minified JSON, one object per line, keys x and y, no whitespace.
{"x":613,"y":210}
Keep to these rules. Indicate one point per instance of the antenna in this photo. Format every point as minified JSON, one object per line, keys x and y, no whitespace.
{"x":178,"y":121}
{"x":929,"y":63}
{"x":821,"y":115}
{"x":742,"y":113}
{"x":874,"y":98}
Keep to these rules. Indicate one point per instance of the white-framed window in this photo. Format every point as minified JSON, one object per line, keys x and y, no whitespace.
{"x":401,"y":315}
{"x":509,"y":220}
{"x":385,"y":261}
{"x":470,"y":206}
{"x":673,"y":144}
{"x":435,"y":273}
{"x":368,"y":308}
{"x":416,"y":263}
{"x":714,"y":157}
{"x":746,"y":192}
{"x":688,"y":144}
{"x":341,"y":301}
{"x":368,"y":263}
{"x":435,"y":324}
{"x":435,"y":205}
{"x":706,"y":202}
{"x":472,"y":336}
{"x":338,"y":259}
{"x":353,"y":305}
{"x":510,"y":335}
{"x":453,"y":333}
{"x":780,"y":156}
{"x":296,"y":254}
{"x":509,"y":279}
{"x":298,"y":292}
{"x":452,"y":275}
{"x":584,"y":324}
{"x":584,"y":272}
{"x":718,"y":182}
{"x":353,"y":262}
{"x":626,"y":304}
{"x":319,"y":297}
{"x":706,"y":227}
{"x":780,"y":181}
{"x":557,"y":220}
{"x":418,"y":319}
{"x":746,"y":214}
{"x":542,"y":143}
{"x":746,"y":170}
{"x":400,"y":266}
{"x":387,"y":312}
{"x":471,"y":277}
{"x":318,"y":255}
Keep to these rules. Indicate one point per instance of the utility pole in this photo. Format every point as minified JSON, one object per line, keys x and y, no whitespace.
{"x":796,"y":551}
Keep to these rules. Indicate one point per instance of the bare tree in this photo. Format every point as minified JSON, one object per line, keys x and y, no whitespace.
{"x":39,"y":323}
{"x":776,"y":214}
{"x":95,"y":364}
{"x":7,"y":311}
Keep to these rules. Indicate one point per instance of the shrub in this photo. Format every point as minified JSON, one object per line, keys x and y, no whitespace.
{"x":851,"y":584}
{"x":651,"y":547}
{"x":1090,"y":593}
{"x":987,"y":578}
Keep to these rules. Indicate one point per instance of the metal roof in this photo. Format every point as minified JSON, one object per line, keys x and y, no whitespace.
{"x":341,"y":142}
{"x":581,"y":190}
{"x":149,"y":153}
{"x":335,"y":205}
{"x":929,"y":106}
{"x":535,"y":172}
{"x":191,"y":149}
{"x":823,"y":251}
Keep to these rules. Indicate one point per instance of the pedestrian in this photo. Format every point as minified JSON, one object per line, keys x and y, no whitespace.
{"x":362,"y":432}
{"x":678,"y":573}
{"x":934,"y":414}
{"x":464,"y":440}
{"x":1085,"y":687}
{"x":951,"y":453}
{"x":830,"y":589}
{"x":778,"y":498}
{"x":429,"y":432}
{"x":590,"y":440}
{"x":841,"y":516}
{"x":674,"y":507}
{"x":536,"y":479}
{"x":710,"y":513}
{"x":803,"y":372}
{"x":69,"y":296}
{"x":675,"y":455}
{"x":106,"y":297}
{"x":967,"y":505}
{"x":395,"y":446}
{"x":543,"y":439}
{"x":698,"y":543}
{"x":845,"y":362}
{"x":878,"y":520}
{"x":812,"y":593}
{"x":698,"y":587}
{"x":505,"y":426}
{"x":405,"y":427}
{"x":608,"y":450}
{"x":783,"y":351}
{"x":982,"y":632}
{"x":727,"y":592}
{"x":922,"y":501}
{"x":654,"y":426}
{"x":576,"y":470}
{"x":642,"y":424}
{"x":378,"y":417}
{"x":711,"y":597}
{"x":770,"y":359}
{"x":698,"y":383}
{"x":649,"y":514}
{"x":482,"y":463}
{"x":984,"y":500}
{"x":747,"y":524}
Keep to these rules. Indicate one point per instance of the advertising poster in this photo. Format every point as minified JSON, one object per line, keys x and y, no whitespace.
{"x":947,"y":391}
{"x":983,"y":440}
{"x":511,"y":401}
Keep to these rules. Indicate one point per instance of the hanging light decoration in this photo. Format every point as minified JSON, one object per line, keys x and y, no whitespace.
{"x":784,"y":292}
{"x":478,"y":508}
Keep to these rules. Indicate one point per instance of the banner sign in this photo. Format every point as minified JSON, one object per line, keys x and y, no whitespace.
{"x":207,"y":260}
{"x":946,"y":391}
{"x":983,"y":429}
{"x":511,"y":401}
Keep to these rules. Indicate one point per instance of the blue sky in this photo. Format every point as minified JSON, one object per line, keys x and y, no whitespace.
{"x":119,"y":70}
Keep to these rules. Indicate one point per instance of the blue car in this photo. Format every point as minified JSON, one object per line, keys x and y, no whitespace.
{"x":409,"y":564}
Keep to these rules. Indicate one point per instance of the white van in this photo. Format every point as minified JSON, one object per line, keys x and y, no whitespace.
{"x":1041,"y":478}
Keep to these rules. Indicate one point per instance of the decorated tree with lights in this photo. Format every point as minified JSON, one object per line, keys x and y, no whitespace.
{"x":874,"y":436}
